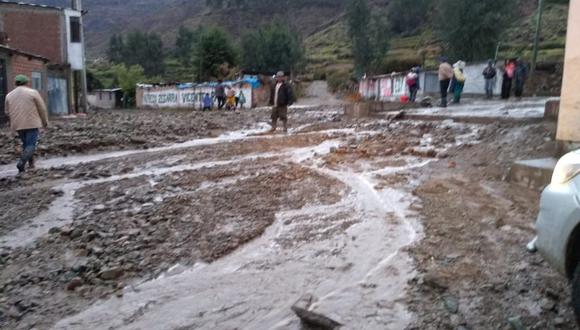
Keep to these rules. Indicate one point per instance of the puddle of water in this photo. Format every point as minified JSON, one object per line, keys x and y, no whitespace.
{"x":254,"y":287}
{"x":59,"y":213}
{"x":8,"y":170}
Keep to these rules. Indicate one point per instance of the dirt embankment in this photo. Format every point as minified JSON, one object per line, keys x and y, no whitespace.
{"x":475,"y":272}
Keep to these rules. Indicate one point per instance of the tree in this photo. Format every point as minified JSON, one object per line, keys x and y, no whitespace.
{"x":116,"y":49}
{"x":184,"y":45}
{"x":128,"y":78}
{"x":379,"y":36}
{"x":358,"y":22}
{"x":214,"y":50}
{"x":369,"y":36}
{"x":472,"y":29}
{"x":272,"y":48}
{"x":405,"y":16}
{"x":145,"y":50}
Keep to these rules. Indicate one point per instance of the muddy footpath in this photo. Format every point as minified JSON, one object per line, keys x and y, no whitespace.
{"x":177,"y":220}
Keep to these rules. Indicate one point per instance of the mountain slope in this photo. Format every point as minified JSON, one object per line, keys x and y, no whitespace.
{"x":321,"y":22}
{"x":106,"y":17}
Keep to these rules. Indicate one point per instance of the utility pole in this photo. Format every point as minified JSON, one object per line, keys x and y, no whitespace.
{"x":200,"y":50}
{"x":496,"y":52}
{"x":537,"y":36}
{"x":77,"y":5}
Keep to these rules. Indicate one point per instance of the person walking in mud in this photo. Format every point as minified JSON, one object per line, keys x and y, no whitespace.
{"x":27,"y":113}
{"x":281,"y":97}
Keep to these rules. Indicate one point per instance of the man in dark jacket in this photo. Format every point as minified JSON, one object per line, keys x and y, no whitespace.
{"x":220,"y":94}
{"x":489,"y":74}
{"x":281,"y":97}
{"x":520,"y":75}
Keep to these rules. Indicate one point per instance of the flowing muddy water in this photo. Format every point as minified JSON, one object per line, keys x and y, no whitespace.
{"x":352,"y":261}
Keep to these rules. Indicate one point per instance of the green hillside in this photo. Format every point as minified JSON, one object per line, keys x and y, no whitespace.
{"x":328,"y":51}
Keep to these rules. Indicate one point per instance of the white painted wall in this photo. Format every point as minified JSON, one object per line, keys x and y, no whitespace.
{"x":75,"y":51}
{"x":475,"y":83}
{"x":186,"y":98}
{"x":391,"y":88}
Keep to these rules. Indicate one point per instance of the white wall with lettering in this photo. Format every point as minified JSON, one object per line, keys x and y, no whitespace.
{"x":189,"y":98}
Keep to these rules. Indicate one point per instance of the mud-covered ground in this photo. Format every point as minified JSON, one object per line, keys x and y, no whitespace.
{"x":388,"y":224}
{"x":133,"y":129}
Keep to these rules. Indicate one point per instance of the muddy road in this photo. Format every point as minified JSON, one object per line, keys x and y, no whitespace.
{"x":388,"y":224}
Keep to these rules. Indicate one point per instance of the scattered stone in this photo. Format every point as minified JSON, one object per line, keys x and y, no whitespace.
{"x":74,"y":283}
{"x":547,"y":304}
{"x":442,"y":154}
{"x":97,"y":250}
{"x":100,"y":208}
{"x":516,"y":323}
{"x":301,"y":308}
{"x":426,"y":152}
{"x":451,"y":304}
{"x":54,"y":230}
{"x":558,"y":321}
{"x":111,"y":273}
{"x":435,"y":281}
{"x":66,"y":231}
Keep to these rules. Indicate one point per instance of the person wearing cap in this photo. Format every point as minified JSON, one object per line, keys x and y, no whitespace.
{"x":281,"y":97}
{"x":445,"y":75}
{"x":27,"y":113}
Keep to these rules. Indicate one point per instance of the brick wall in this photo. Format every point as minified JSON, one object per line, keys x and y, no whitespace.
{"x":23,"y":65}
{"x":36,"y":31}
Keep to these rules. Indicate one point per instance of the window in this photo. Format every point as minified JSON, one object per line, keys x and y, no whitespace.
{"x":37,"y":80}
{"x":75,"y":29}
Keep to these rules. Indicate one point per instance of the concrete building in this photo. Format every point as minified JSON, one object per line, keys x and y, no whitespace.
{"x":569,"y":116}
{"x":55,"y":34}
{"x":106,"y":98}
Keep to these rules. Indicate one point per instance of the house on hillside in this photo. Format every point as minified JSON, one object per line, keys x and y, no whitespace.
{"x":44,"y":33}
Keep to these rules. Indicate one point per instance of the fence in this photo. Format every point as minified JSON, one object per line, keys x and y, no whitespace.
{"x":391,"y":87}
{"x":189,"y":97}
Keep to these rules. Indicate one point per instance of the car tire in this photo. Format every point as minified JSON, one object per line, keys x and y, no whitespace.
{"x":576,"y":293}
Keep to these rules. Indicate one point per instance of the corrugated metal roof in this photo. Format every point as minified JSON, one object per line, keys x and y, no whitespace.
{"x":19,"y":52}
{"x":111,"y":90}
{"x":4,"y":2}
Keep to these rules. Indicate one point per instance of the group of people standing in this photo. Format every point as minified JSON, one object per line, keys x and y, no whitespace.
{"x":515,"y":72}
{"x":225,"y":97}
{"x":451,"y":80}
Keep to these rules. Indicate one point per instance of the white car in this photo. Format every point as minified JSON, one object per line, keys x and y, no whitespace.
{"x":558,"y":224}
